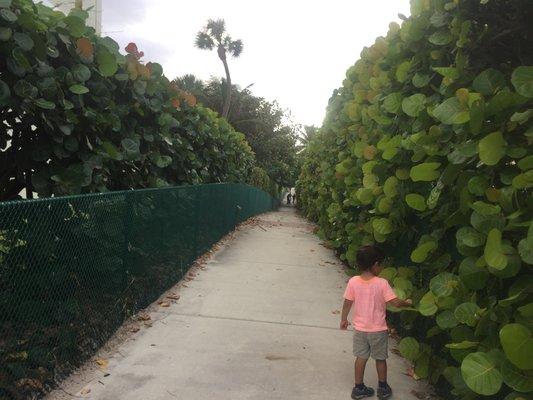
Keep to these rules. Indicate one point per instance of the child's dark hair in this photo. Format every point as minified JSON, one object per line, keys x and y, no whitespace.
{"x":367,"y":256}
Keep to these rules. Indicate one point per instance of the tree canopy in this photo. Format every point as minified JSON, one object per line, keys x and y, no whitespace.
{"x":79,"y":116}
{"x":268,"y":128}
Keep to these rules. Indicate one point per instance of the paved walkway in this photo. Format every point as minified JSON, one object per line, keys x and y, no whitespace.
{"x":260,"y":321}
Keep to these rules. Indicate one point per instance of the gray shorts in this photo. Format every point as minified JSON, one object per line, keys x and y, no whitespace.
{"x":371,"y":344}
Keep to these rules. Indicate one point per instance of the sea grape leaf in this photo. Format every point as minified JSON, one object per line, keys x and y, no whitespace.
{"x":45,"y":104}
{"x":79,"y":89}
{"x":402,"y":71}
{"x":383,"y":226}
{"x":485,"y":209}
{"x":447,"y":72}
{"x":522,"y":80}
{"x":390,"y":187}
{"x":409,"y":348}
{"x":24,"y":41}
{"x":525,"y":249}
{"x":81,"y":73}
{"x":517,"y":344}
{"x":425,"y":172}
{"x":489,"y":81}
{"x":440,"y":38}
{"x":468,"y":236}
{"x":519,"y":380}
{"x":492,"y":148}
{"x":420,"y":254}
{"x":443,"y":284}
{"x":427,"y":304}
{"x":111,"y":150}
{"x":467,"y":313}
{"x":414,"y":105}
{"x":8,"y":15}
{"x":446,"y":320}
{"x":451,"y":111}
{"x":107,"y":62}
{"x":481,"y":374}
{"x":416,"y":201}
{"x":473,"y":276}
{"x":465,"y":344}
{"x":393,"y":102}
{"x":420,"y":80}
{"x":493,"y":253}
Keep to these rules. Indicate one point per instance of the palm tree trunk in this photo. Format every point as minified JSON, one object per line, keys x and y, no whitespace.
{"x":227,"y":99}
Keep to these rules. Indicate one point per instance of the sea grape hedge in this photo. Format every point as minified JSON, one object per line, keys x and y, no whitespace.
{"x":427,"y":149}
{"x":78,"y":116}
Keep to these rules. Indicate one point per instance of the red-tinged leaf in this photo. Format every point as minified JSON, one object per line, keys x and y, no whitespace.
{"x":189,"y":99}
{"x":131,"y":48}
{"x":84,"y":48}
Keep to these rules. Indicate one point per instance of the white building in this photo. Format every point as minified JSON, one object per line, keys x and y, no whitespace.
{"x":94,"y":7}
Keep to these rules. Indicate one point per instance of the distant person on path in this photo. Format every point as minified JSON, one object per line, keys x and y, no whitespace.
{"x":289,"y":197}
{"x":370,"y":295}
{"x":294,"y":198}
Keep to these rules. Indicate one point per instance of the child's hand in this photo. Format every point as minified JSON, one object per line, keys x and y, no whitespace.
{"x":344,"y":324}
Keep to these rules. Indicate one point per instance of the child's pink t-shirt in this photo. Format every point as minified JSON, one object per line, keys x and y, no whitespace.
{"x":370,"y":298}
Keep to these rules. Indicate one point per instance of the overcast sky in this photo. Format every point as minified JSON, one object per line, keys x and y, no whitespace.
{"x":295,"y":52}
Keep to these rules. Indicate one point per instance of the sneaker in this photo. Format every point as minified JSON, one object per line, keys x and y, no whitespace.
{"x":384,"y":392}
{"x":361,"y":393}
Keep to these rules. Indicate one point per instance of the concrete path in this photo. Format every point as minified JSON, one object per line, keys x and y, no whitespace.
{"x":259,"y":321}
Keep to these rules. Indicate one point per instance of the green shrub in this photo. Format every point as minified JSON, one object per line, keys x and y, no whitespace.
{"x":427,"y":150}
{"x":258,"y":177}
{"x":81,"y":117}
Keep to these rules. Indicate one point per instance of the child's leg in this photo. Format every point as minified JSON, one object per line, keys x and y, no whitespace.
{"x":381,"y":367}
{"x":361,"y":350}
{"x":360,"y":364}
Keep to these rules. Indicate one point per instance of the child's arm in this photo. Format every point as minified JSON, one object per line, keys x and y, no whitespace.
{"x":398,"y":303}
{"x":344,"y":316}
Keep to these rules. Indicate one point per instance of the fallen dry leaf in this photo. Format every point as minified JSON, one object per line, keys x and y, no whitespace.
{"x":102,"y":363}
{"x":335,"y":312}
{"x":311,"y":250}
{"x":144,"y":317}
{"x":30,"y":384}
{"x":135,"y":329}
{"x":85,"y":391}
{"x":164,"y":304}
{"x":173,"y":296}
{"x":148,"y":324}
{"x":411,"y":372}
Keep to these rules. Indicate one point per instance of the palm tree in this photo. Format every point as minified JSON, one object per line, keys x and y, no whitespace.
{"x":214,"y":35}
{"x":308,"y":134}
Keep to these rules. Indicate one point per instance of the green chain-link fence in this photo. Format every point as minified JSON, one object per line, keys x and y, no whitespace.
{"x":73,"y":268}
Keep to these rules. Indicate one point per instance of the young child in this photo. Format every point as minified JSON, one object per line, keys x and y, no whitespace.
{"x":370,"y":294}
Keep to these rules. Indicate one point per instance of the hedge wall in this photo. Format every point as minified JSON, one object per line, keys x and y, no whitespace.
{"x":427,"y":150}
{"x":78,"y":116}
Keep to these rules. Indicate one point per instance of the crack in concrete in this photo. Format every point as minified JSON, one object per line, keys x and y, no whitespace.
{"x":253,"y":320}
